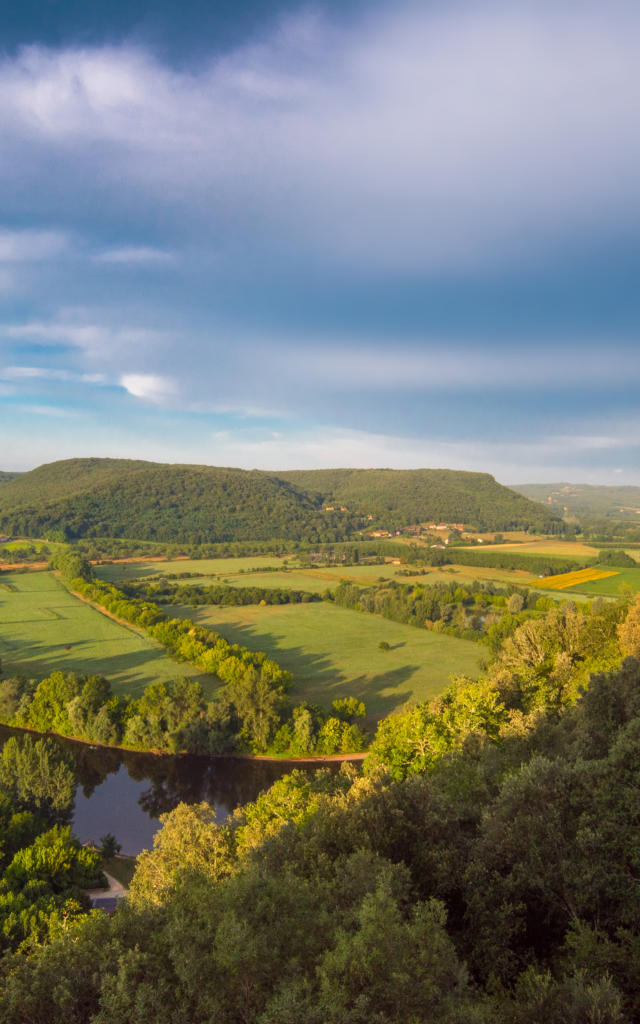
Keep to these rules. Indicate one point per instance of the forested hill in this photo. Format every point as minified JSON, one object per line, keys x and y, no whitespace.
{"x":5,"y":477}
{"x":196,"y":504}
{"x":586,"y":499}
{"x":419,"y":495}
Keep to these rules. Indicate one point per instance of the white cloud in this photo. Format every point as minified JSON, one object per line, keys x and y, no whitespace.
{"x":99,"y":340}
{"x":434,"y":365}
{"x":424,"y":136}
{"x":55,"y":411}
{"x":47,"y":373}
{"x":149,"y":387}
{"x":132,"y":255}
{"x":26,"y":246}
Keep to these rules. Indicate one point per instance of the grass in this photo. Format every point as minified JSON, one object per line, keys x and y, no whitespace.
{"x":17,"y":545}
{"x":334,"y":652}
{"x":116,"y":571}
{"x":565,"y":580}
{"x":560,"y":548}
{"x":609,"y":587}
{"x":44,"y":628}
{"x":218,"y":570}
{"x":122,"y":869}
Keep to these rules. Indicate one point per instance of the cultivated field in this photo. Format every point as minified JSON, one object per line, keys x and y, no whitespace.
{"x":334,"y":652}
{"x":609,"y":587}
{"x":43,"y":628}
{"x":575,"y":579}
{"x":559,"y":548}
{"x":219,"y":570}
{"x":214,"y":567}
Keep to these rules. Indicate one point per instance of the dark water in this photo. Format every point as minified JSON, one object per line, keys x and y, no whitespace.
{"x":125,"y":793}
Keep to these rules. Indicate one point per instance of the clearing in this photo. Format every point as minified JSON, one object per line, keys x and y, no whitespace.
{"x":44,"y":628}
{"x":334,"y":652}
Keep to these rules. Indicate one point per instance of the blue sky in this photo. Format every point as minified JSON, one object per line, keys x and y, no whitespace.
{"x":273,"y":235}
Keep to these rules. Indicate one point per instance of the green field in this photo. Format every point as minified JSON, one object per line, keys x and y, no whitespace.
{"x":43,"y":628}
{"x":115,"y":571}
{"x":573,"y":550}
{"x":334,"y":652}
{"x":16,"y":545}
{"x":218,"y":570}
{"x":609,"y":587}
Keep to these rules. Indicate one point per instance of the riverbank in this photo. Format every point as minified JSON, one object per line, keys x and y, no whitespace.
{"x":233,"y":756}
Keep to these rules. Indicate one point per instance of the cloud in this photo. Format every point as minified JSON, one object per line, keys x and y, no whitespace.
{"x":462,"y":366}
{"x":100,"y":340}
{"x":27,"y":373}
{"x":149,"y":387}
{"x":132,"y":255}
{"x":56,"y":411}
{"x":423,"y":136}
{"x":25,"y":246}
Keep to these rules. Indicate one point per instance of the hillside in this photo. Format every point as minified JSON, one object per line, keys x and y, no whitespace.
{"x":5,"y":477}
{"x":194,"y":504}
{"x":403,"y":496}
{"x":586,"y":499}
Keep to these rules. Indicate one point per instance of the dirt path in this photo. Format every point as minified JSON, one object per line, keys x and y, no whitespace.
{"x":116,"y":890}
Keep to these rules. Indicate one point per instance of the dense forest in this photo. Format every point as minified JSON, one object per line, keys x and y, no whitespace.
{"x":483,"y":869}
{"x":81,"y":498}
{"x":400,"y":497}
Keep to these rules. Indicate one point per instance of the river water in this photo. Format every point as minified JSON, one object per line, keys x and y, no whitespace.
{"x":124,"y":793}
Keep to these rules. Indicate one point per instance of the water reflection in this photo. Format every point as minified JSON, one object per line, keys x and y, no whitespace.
{"x":125,"y":793}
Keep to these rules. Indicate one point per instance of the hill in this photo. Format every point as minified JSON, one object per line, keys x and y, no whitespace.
{"x":586,"y":499}
{"x":5,"y":476}
{"x":197,"y":504}
{"x":404,"y":496}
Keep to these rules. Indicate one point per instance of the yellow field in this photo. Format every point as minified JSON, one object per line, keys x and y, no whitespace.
{"x":561,"y":548}
{"x":573,"y":579}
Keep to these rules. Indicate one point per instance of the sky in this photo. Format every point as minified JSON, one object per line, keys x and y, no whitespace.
{"x":283,"y":235}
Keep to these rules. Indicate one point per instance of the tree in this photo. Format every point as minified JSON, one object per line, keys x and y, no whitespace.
{"x":629,"y":630}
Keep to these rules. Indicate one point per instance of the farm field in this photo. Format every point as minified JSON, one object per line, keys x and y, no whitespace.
{"x":44,"y":628}
{"x":334,"y":652}
{"x":16,"y":545}
{"x":313,"y":580}
{"x":609,"y":587}
{"x":560,"y":548}
{"x":116,"y":571}
{"x":575,"y":579}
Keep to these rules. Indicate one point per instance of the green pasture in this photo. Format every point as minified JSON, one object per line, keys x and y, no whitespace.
{"x":574,"y":550}
{"x":44,"y":628}
{"x":334,"y":652}
{"x":609,"y":587}
{"x":218,"y":570}
{"x":115,"y":572}
{"x":16,"y":545}
{"x":318,"y":580}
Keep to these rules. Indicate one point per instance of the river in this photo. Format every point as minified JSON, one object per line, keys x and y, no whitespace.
{"x":124,"y":792}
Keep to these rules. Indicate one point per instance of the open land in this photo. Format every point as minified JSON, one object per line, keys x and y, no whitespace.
{"x":219,"y":570}
{"x":44,"y":628}
{"x":560,"y":548}
{"x":609,"y":587}
{"x":334,"y":652}
{"x":123,"y":571}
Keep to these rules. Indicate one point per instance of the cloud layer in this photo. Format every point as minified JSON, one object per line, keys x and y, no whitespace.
{"x":421,"y":224}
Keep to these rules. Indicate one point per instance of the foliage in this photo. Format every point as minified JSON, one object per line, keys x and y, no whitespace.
{"x":199,"y":504}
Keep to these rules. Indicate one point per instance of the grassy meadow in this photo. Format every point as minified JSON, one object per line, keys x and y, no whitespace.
{"x":609,"y":587}
{"x":44,"y":628}
{"x":560,"y":548}
{"x":227,"y":570}
{"x":115,"y":572}
{"x":334,"y":652}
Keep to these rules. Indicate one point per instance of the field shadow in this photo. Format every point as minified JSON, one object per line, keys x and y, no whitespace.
{"x":39,"y":660}
{"x":316,"y":677}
